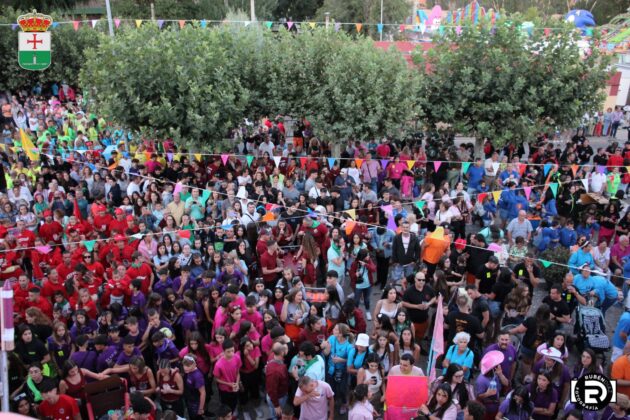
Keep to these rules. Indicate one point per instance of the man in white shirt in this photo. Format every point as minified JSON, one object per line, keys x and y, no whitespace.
{"x":250,"y":215}
{"x":318,"y":191}
{"x":598,"y":182}
{"x":266,"y":146}
{"x":491,"y":167}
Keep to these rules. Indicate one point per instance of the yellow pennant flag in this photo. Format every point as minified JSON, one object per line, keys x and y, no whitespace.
{"x":29,"y":148}
{"x":496,"y":195}
{"x":352,"y":213}
{"x":198,"y":157}
{"x":138,"y":23}
{"x":410,"y":164}
{"x":312,"y":25}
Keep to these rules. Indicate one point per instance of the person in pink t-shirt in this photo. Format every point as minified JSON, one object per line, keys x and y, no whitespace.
{"x":315,"y":398}
{"x":227,"y":373}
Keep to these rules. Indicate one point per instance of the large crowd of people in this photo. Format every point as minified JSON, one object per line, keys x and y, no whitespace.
{"x":243,"y":284}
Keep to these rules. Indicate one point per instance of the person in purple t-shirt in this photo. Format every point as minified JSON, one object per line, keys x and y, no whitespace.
{"x":560,"y":375}
{"x":137,"y":297}
{"x":195,"y":388}
{"x":185,"y":323}
{"x":163,"y":348}
{"x":164,"y":282}
{"x":544,"y":397}
{"x":84,"y":358}
{"x":105,"y":355}
{"x":504,"y":345}
{"x":123,"y":359}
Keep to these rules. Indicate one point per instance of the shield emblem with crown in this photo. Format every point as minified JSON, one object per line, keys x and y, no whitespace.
{"x":34,"y":46}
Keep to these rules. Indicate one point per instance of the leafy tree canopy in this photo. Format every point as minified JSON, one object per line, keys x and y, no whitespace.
{"x":502,"y":84}
{"x":197,"y":84}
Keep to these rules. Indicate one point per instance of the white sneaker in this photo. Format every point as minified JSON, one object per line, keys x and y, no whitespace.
{"x":368,"y":316}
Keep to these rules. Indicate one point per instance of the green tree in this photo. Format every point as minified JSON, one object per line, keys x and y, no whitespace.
{"x":173,"y":82}
{"x":197,"y":84}
{"x":501,"y":84}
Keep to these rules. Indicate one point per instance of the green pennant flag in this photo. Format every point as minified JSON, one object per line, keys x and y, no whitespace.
{"x":545,"y":263}
{"x":89,"y":245}
{"x":250,"y":159}
{"x":465,"y":166}
{"x":268,"y":24}
{"x":420,"y":204}
{"x":485,"y":232}
{"x":554,"y":188}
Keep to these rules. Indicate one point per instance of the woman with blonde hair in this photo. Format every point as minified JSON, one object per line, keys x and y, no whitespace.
{"x":337,"y":348}
{"x":60,"y":344}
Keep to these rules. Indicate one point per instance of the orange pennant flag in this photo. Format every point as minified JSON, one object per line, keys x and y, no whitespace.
{"x":268,"y":217}
{"x":410,"y":164}
{"x":112,"y":166}
{"x":359,"y":162}
{"x":181,"y":24}
{"x":350,"y":224}
{"x":575,"y":168}
{"x":359,"y":26}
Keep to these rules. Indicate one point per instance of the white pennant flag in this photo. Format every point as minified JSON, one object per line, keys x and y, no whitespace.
{"x":277,"y":159}
{"x":495,"y":168}
{"x":94,"y":22}
{"x":423,"y":27}
{"x":585,"y":183}
{"x":137,"y":236}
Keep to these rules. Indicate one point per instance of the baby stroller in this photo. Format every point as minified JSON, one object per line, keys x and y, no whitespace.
{"x":591,"y":330}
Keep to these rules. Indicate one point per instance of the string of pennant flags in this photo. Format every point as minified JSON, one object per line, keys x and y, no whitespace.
{"x":203,"y":23}
{"x":270,"y":217}
{"x":331,"y":160}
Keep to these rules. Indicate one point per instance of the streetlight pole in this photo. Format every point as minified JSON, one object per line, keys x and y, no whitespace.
{"x":252,"y":10}
{"x":381,"y":33}
{"x":109,"y":18}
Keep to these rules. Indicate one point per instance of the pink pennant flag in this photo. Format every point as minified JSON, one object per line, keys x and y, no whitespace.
{"x":391,"y":224}
{"x":224,"y":158}
{"x":388,"y":209}
{"x":436,"y":165}
{"x":117,"y":23}
{"x":178,"y":188}
{"x":181,"y":24}
{"x":528,"y":191}
{"x":402,"y":28}
{"x":43,"y":249}
{"x":458,"y":30}
{"x":289,"y":25}
{"x":75,"y":25}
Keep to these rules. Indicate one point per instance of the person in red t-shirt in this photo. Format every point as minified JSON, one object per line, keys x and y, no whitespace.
{"x":122,"y":253}
{"x":118,"y":225}
{"x":36,"y":301}
{"x":50,"y":230}
{"x":102,"y":219}
{"x":20,"y":291}
{"x":51,"y":285}
{"x":65,"y":268}
{"x":25,"y":238}
{"x":141,"y":270}
{"x":57,"y":406}
{"x":270,"y":264}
